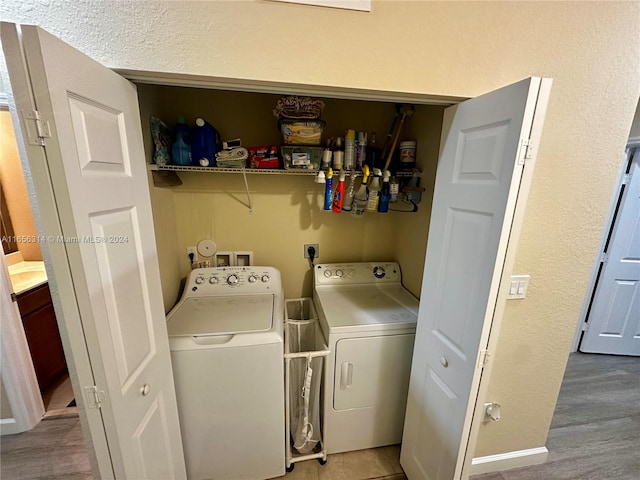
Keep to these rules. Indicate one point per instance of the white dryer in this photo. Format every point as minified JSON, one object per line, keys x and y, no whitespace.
{"x":369,"y":320}
{"x":226,"y":340}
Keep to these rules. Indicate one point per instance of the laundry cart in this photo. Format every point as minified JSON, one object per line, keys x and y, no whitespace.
{"x":305,"y":358}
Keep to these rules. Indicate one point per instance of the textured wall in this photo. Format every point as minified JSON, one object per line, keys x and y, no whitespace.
{"x":452,"y":48}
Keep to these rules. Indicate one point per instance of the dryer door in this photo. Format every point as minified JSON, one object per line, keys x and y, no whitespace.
{"x":373,"y":372}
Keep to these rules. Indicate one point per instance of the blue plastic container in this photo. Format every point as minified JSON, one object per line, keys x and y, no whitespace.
{"x":204,"y":143}
{"x":181,"y":148}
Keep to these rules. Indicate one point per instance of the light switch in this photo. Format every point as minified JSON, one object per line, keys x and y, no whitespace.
{"x":518,"y":286}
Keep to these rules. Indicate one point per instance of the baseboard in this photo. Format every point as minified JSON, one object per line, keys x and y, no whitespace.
{"x":8,"y":426}
{"x":506,"y":461}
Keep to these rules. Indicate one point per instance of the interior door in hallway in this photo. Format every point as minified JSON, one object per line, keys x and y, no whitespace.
{"x":613,"y":321}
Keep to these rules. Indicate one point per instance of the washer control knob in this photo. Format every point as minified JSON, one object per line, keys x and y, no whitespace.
{"x":232,"y":279}
{"x":199,"y":280}
{"x":327,"y":273}
{"x":339,"y":273}
{"x":378,"y":271}
{"x":351,"y":273}
{"x":213,"y":280}
{"x":265,"y":278}
{"x":253,"y":278}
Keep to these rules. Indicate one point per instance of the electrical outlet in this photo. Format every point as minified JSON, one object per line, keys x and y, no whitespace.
{"x":193,"y":250}
{"x":315,"y":246}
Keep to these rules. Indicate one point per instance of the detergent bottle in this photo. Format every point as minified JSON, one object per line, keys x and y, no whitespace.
{"x":204,"y":143}
{"x":181,"y":149}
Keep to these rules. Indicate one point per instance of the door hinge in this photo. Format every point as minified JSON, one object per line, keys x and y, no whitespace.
{"x":626,"y":178}
{"x":95,"y":398}
{"x":14,"y":297}
{"x":483,"y":358}
{"x":526,"y":151}
{"x":37,"y":128}
{"x":585,"y":326}
{"x":604,"y":257}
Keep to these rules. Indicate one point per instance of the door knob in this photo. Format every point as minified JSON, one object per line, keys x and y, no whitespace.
{"x":145,"y":389}
{"x":444,"y":362}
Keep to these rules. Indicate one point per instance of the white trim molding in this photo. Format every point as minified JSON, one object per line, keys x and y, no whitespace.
{"x":508,"y":460}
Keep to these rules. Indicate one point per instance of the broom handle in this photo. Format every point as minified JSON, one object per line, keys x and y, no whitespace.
{"x":395,"y":140}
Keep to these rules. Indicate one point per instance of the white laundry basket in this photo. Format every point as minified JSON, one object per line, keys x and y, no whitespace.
{"x":305,"y":353}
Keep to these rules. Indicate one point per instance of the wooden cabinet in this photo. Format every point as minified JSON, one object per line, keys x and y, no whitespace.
{"x":43,"y":337}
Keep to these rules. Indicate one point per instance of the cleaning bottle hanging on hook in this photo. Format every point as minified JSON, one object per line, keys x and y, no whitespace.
{"x":349,"y":192}
{"x":360,"y":199}
{"x":327,"y":189}
{"x":385,"y":193}
{"x":338,"y":196}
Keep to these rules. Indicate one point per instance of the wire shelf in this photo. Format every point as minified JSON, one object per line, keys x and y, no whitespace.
{"x":258,"y":171}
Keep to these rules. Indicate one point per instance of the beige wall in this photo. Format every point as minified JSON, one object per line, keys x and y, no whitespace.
{"x":590,"y":49}
{"x":15,"y":189}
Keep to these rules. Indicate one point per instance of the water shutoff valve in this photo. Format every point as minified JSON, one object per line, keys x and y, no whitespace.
{"x":491,"y":412}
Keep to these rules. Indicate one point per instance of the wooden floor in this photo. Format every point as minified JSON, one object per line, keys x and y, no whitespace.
{"x":595,"y":435}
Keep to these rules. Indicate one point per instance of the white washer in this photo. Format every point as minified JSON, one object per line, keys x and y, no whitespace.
{"x":226,"y":340}
{"x":369,"y":320}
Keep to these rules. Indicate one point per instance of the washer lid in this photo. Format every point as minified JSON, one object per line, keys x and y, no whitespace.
{"x":221,"y":315}
{"x":367,"y":306}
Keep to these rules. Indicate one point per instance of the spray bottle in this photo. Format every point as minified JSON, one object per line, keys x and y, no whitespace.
{"x":374,"y":191}
{"x":327,"y":189}
{"x":338,"y":196}
{"x":385,"y":193}
{"x":349,"y":192}
{"x":360,"y":199}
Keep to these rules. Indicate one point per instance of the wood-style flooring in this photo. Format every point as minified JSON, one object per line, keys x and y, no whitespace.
{"x":595,"y":435}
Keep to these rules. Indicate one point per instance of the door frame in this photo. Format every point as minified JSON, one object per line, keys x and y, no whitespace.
{"x":57,"y":262}
{"x":606,"y":229}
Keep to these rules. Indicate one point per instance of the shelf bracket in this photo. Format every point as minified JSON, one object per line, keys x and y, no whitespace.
{"x":246,"y":186}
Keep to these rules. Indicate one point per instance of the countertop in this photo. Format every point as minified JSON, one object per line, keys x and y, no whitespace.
{"x":27,"y":275}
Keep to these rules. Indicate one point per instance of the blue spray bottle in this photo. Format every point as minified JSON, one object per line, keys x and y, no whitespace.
{"x":327,"y":189}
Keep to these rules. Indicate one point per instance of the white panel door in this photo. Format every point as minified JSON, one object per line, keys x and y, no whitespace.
{"x":614,"y":316}
{"x":474,"y":200}
{"x":98,"y":174}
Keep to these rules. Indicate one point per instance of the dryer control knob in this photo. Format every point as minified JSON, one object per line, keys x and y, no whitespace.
{"x":265,"y":278}
{"x":232,"y":279}
{"x":378,"y":271}
{"x":327,"y":273}
{"x":199,"y":280}
{"x":253,"y":278}
{"x":339,"y":273}
{"x":213,"y":280}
